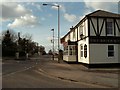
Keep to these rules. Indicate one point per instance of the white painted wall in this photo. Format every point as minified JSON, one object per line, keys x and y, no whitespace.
{"x":94,"y":20}
{"x":99,"y":54}
{"x":83,"y":59}
{"x":119,"y":53}
{"x":83,"y":42}
{"x":75,"y":34}
{"x":100,"y":25}
{"x":117,"y":33}
{"x":69,"y":58}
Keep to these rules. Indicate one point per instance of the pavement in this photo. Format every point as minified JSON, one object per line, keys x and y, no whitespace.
{"x":79,"y":73}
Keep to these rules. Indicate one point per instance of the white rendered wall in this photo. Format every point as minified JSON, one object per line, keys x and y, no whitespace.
{"x":83,"y":42}
{"x":119,"y":53}
{"x":69,"y":58}
{"x":83,"y":59}
{"x":99,"y":54}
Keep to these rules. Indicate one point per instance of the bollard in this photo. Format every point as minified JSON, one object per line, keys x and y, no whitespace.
{"x":17,"y":55}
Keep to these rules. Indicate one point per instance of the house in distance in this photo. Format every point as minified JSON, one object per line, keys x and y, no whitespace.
{"x":94,"y":41}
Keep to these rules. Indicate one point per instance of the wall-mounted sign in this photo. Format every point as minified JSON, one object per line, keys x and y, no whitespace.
{"x":104,"y":40}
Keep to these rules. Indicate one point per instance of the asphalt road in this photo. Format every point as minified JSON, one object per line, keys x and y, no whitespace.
{"x":25,"y":74}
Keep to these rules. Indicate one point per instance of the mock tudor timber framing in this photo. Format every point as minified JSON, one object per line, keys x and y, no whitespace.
{"x":98,"y":39}
{"x":104,"y":20}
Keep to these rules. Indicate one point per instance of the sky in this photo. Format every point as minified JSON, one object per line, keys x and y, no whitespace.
{"x":30,"y":16}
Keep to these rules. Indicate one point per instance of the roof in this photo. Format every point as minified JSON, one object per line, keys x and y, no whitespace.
{"x":102,"y":13}
{"x":98,"y":13}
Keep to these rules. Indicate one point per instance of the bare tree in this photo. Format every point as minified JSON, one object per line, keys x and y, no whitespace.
{"x":27,"y":36}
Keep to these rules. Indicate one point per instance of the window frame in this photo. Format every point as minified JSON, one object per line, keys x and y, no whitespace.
{"x":109,"y":28}
{"x":111,"y":49}
{"x":71,"y":50}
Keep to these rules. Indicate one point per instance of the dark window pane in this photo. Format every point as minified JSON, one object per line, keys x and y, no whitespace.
{"x":110,"y":54}
{"x":109,"y":28}
{"x":110,"y":50}
{"x":81,"y":53}
{"x":85,"y":50}
{"x":110,"y":47}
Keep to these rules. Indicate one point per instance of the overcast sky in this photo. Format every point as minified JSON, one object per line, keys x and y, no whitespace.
{"x":38,"y":20}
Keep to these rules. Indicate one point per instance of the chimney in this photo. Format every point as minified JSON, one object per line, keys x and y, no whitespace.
{"x":71,"y":28}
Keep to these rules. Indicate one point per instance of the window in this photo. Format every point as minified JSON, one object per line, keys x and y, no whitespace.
{"x":81,"y":50}
{"x":72,"y":50}
{"x":110,"y":50}
{"x":74,"y":34}
{"x":66,"y":50}
{"x":109,"y":30}
{"x":81,"y":31}
{"x":85,"y":50}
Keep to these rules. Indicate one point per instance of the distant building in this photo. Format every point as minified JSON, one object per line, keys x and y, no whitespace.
{"x":94,"y":41}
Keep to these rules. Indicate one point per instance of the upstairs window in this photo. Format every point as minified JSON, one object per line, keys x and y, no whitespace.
{"x":109,"y":30}
{"x":81,"y":31}
{"x":74,"y":35}
{"x":110,"y":50}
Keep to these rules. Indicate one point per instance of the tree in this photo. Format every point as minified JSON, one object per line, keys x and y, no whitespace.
{"x":12,"y":43}
{"x":42,"y":50}
{"x":8,"y":44}
{"x":50,"y":52}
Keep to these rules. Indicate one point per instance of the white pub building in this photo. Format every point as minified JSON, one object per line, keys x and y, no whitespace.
{"x":94,"y":41}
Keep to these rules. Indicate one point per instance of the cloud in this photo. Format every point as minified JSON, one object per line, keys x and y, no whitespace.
{"x":13,"y":10}
{"x":27,"y":20}
{"x":70,"y":17}
{"x":85,"y":12}
{"x":101,"y":0}
{"x":100,"y":4}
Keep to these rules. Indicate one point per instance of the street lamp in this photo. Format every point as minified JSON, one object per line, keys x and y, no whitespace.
{"x":58,"y":25}
{"x":17,"y":53}
{"x":53,"y":42}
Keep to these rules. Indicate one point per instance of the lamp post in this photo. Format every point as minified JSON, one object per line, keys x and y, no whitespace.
{"x":17,"y":53}
{"x":53,"y":42}
{"x":58,"y":26}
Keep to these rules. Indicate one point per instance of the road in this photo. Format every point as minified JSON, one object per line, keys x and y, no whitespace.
{"x":26,"y":74}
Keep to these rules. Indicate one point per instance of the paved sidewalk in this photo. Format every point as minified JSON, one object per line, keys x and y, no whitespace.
{"x":79,"y":73}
